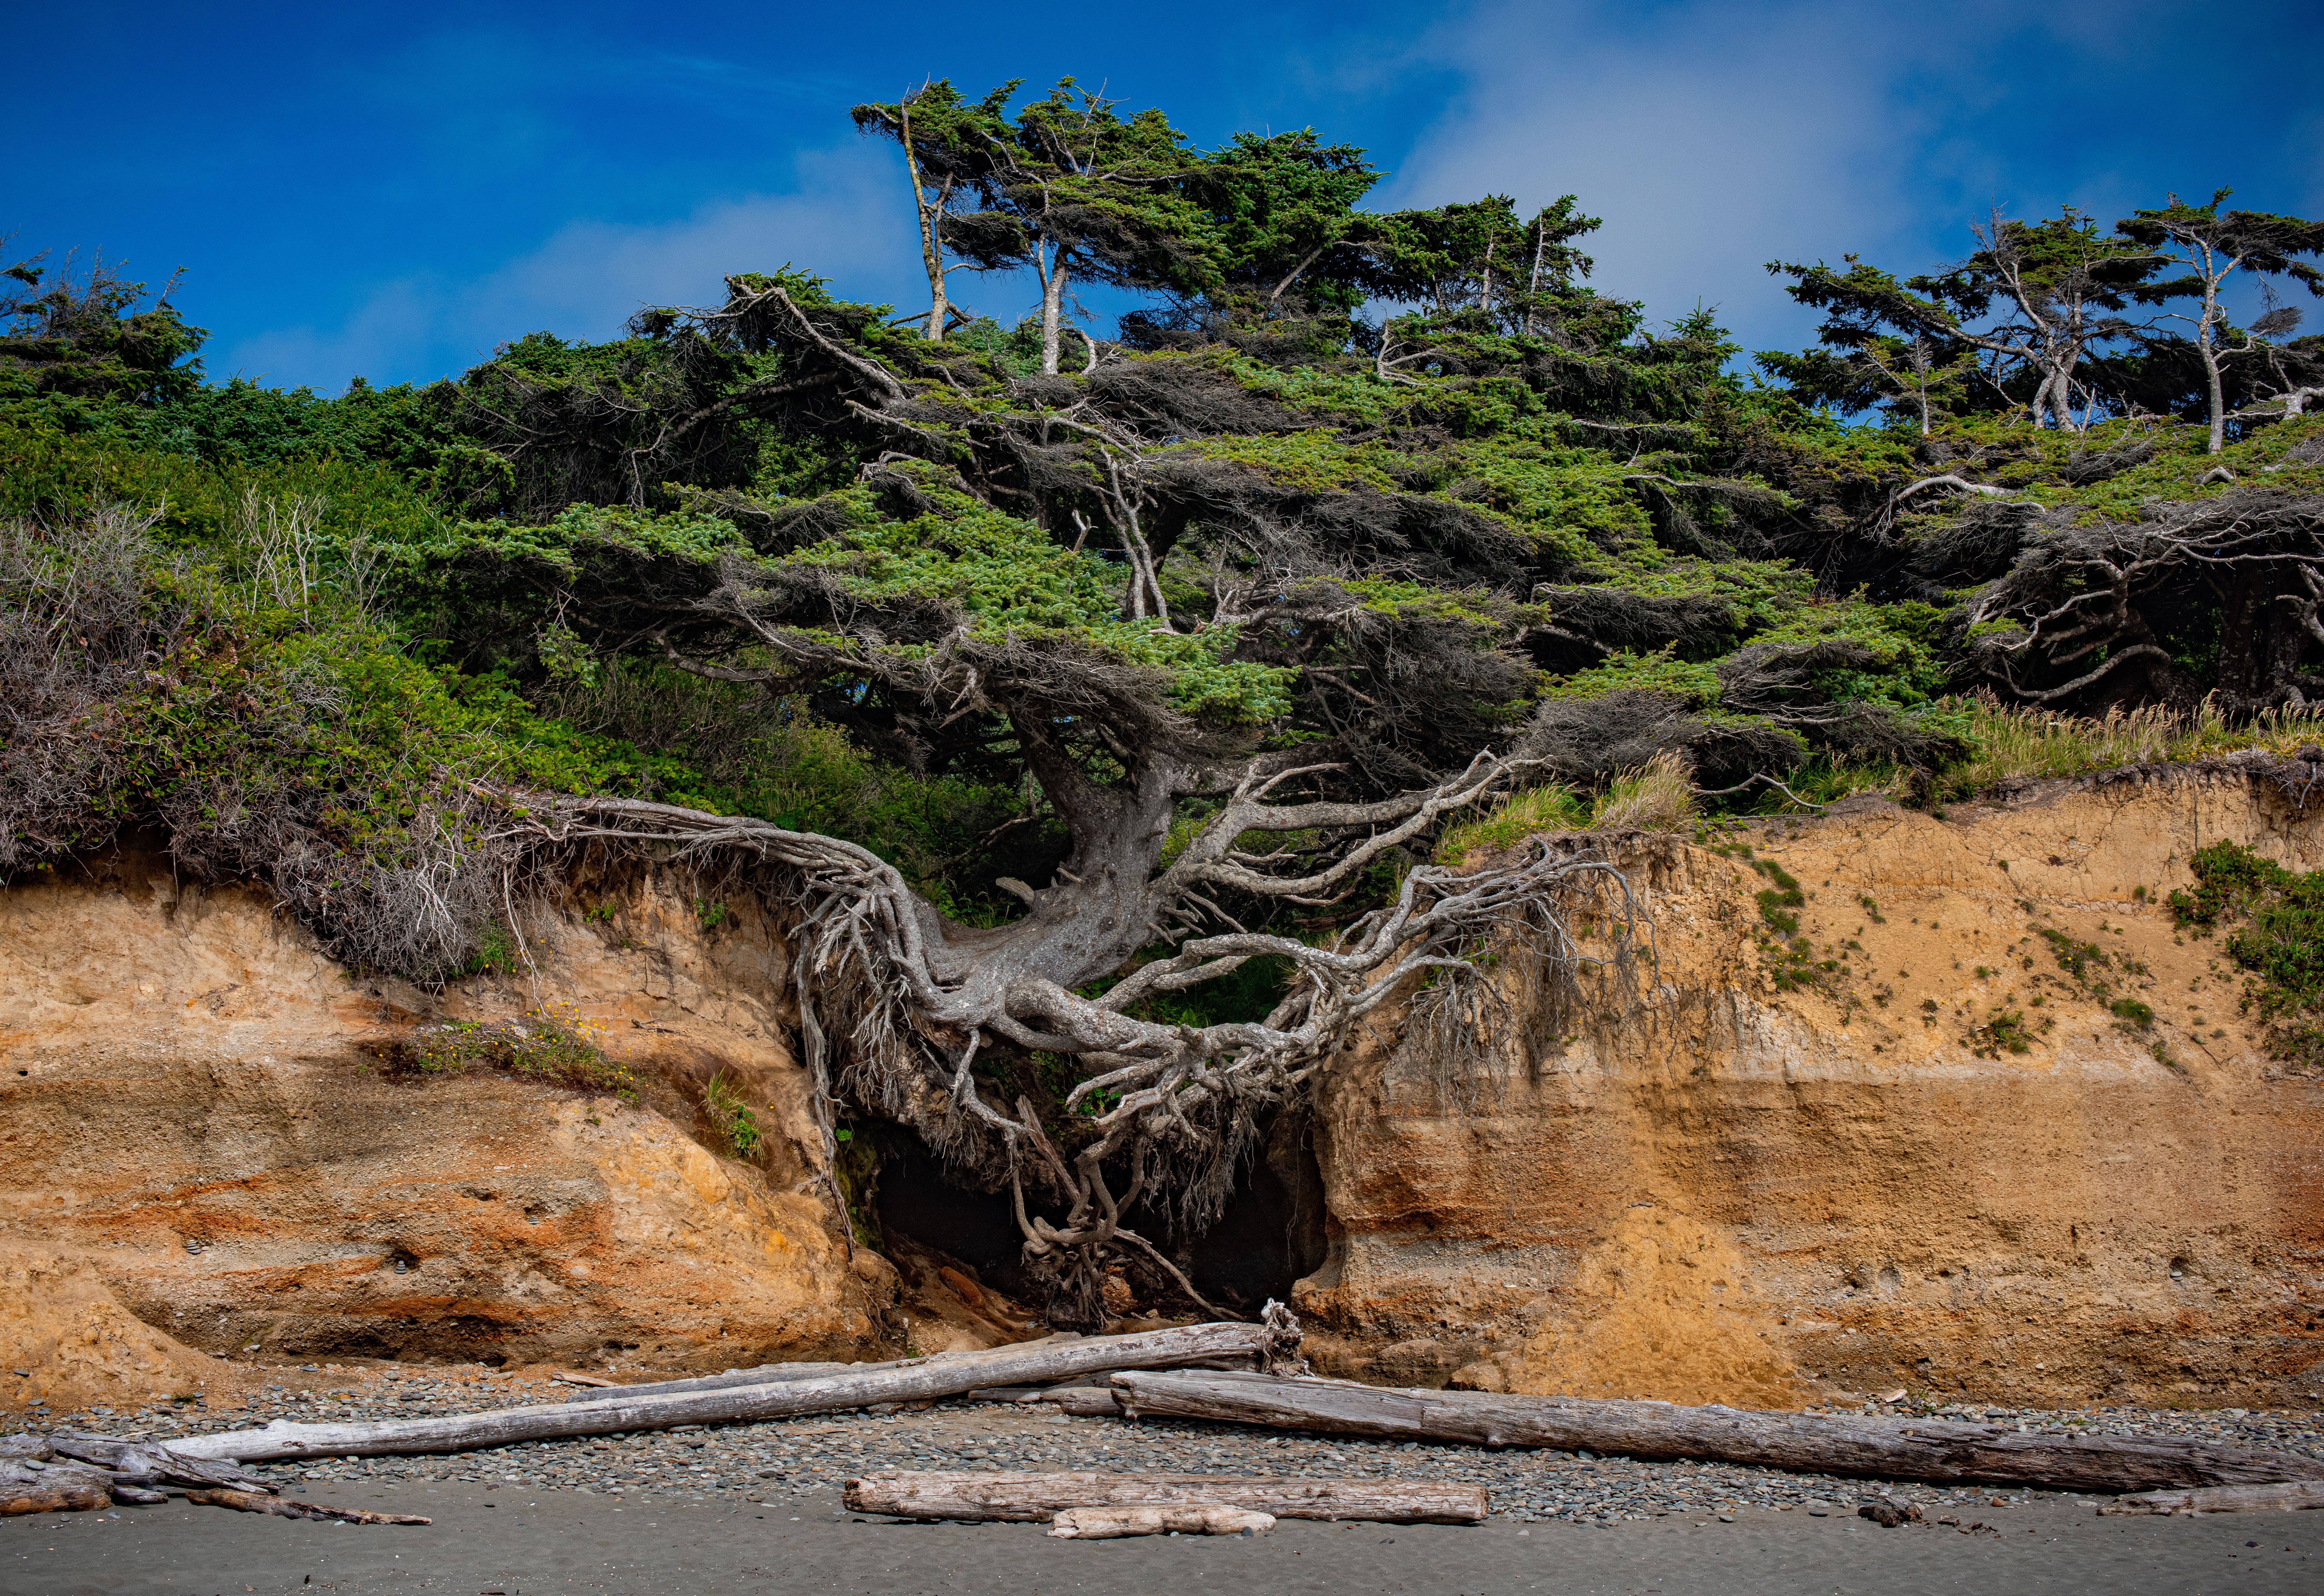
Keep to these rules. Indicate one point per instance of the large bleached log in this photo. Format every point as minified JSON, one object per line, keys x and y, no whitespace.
{"x":922,"y":1379}
{"x":765,"y":1374}
{"x":1803,"y":1442}
{"x":2286,"y":1496}
{"x":771,"y":1373}
{"x":1035,"y":1499}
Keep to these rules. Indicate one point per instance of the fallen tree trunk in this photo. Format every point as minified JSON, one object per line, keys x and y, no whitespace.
{"x":1113,"y":1524}
{"x":948,"y":1376}
{"x":1035,"y":1499}
{"x":153,"y":1462}
{"x":774,"y":1373}
{"x":2286,"y":1496}
{"x":765,"y":1374}
{"x":251,"y":1501}
{"x":1802,"y":1443}
{"x":30,"y":1486}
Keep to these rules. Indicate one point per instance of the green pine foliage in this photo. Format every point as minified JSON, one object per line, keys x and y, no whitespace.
{"x":1410,"y":484}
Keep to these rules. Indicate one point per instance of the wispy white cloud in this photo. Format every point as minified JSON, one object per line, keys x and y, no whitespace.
{"x":842,"y":218}
{"x":1711,"y":138}
{"x":1714,"y":137}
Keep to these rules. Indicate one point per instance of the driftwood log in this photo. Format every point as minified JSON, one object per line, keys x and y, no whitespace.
{"x":773,"y":1373}
{"x":252,"y":1501}
{"x":859,"y":1385}
{"x":2286,"y":1496}
{"x":762,"y":1375}
{"x":149,"y":1464}
{"x":1035,"y":1499}
{"x":1113,"y":1524}
{"x":1802,"y":1443}
{"x":30,"y":1485}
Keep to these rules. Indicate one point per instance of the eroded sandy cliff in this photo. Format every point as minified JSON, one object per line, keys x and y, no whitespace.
{"x":1741,"y":1192}
{"x":1751,"y":1193}
{"x":194,"y":1120}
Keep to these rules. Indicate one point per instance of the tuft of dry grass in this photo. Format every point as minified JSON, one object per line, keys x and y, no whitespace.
{"x":1658,"y":796}
{"x":2016,"y":741}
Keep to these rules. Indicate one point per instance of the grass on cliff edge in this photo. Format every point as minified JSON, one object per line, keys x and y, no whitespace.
{"x":2007,"y":742}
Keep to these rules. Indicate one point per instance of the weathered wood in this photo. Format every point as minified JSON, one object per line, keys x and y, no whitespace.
{"x":155,"y":1463}
{"x":763,"y":1375}
{"x":947,"y":1376}
{"x":1082,"y":1388}
{"x":251,"y":1501}
{"x":1110,"y":1524}
{"x":1035,"y":1499}
{"x":2284,"y":1496}
{"x":137,"y":1496}
{"x":1090,"y":1402}
{"x":29,"y":1485}
{"x":1803,"y":1442}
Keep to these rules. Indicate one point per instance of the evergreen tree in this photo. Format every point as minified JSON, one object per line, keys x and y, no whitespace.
{"x":2212,"y":245}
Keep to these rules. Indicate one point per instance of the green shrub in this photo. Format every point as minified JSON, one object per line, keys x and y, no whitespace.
{"x":2279,"y":940}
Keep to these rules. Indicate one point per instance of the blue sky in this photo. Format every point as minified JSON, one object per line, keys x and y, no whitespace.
{"x":392,"y":191}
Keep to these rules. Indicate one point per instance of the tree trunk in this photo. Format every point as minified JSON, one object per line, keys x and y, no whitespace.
{"x":765,"y":1374}
{"x":153,"y":1462}
{"x":931,"y":215}
{"x":2240,"y":622}
{"x":947,"y":1375}
{"x":1813,"y":1443}
{"x":1113,"y":1524}
{"x":1035,"y":1499}
{"x":2287,"y":1497}
{"x":2217,"y":388}
{"x":1052,"y":300}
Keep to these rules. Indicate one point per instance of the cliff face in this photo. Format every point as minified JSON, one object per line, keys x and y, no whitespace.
{"x":195,"y":1124}
{"x":1751,"y":1193}
{"x":1740,"y":1190}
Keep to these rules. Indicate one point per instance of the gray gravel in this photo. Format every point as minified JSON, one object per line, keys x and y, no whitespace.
{"x":780,"y":1461}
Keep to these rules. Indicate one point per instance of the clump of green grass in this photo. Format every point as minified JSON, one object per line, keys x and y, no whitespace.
{"x":544,"y":1045}
{"x":1520,"y":815}
{"x":735,"y":1119}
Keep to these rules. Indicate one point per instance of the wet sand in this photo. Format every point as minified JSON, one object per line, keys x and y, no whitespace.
{"x":546,"y":1543}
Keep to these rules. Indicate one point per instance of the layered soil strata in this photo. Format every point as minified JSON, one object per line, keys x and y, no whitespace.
{"x":1787,"y":1171}
{"x":202,"y":1119}
{"x":1790,"y":1172}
